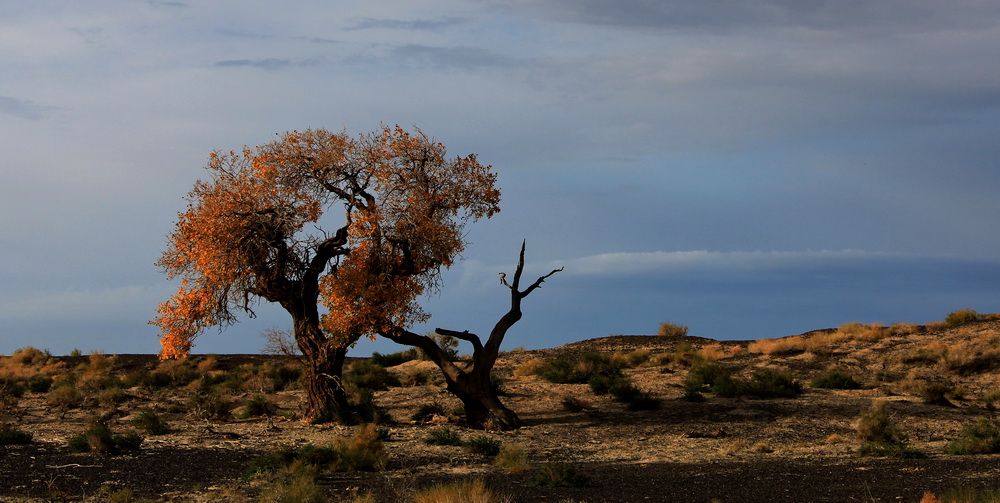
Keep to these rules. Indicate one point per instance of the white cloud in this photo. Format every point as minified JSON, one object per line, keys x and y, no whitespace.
{"x":626,"y":264}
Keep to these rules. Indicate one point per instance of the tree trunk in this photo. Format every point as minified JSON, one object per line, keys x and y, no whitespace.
{"x":483,"y":409}
{"x":326,"y":396}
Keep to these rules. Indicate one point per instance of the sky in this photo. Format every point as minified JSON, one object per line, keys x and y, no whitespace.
{"x":748,"y":169}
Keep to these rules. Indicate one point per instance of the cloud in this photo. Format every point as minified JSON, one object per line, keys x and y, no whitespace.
{"x":270,"y":64}
{"x":24,"y":109}
{"x":732,"y":15}
{"x":396,"y":24}
{"x":459,"y":57}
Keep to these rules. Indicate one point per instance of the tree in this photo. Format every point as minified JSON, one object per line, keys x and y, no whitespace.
{"x":472,"y":385}
{"x":253,"y":232}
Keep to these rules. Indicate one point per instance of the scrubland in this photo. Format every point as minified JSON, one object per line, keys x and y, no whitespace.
{"x":861,"y":412}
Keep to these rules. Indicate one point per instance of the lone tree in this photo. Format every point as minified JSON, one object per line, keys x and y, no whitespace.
{"x":253,"y":232}
{"x":472,"y":384}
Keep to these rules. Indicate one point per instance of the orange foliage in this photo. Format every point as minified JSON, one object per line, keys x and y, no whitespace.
{"x":252,"y":231}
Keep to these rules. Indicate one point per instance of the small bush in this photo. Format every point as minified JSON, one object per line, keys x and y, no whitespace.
{"x":961,"y":317}
{"x":212,"y":405}
{"x":150,"y":422}
{"x":835,"y":379}
{"x":876,"y":425}
{"x":586,"y":367}
{"x":468,"y":491}
{"x":668,"y":329}
{"x":295,"y":483}
{"x":10,"y":435}
{"x":443,"y":435}
{"x":936,"y":393}
{"x":259,"y":406}
{"x":366,"y":374}
{"x":415,"y":376}
{"x":98,"y":438}
{"x":880,"y":435}
{"x":981,"y":437}
{"x":284,"y":376}
{"x":393,"y":359}
{"x":558,"y":475}
{"x":512,"y":459}
{"x":64,"y":395}
{"x":768,"y":383}
{"x":40,"y":383}
{"x":364,"y":451}
{"x":484,"y":445}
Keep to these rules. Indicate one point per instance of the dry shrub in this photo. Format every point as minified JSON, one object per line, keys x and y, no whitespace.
{"x":901,"y":329}
{"x":631,"y":359}
{"x":835,"y":438}
{"x":467,"y":491}
{"x":935,"y":326}
{"x":862,"y":332}
{"x":668,"y":329}
{"x":529,"y":367}
{"x":780,"y":346}
{"x":961,"y":317}
{"x":973,"y":356}
{"x":929,"y":497}
{"x":712,"y":352}
{"x":512,"y":459}
{"x":415,"y":376}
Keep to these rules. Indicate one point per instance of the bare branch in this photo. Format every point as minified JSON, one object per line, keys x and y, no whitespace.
{"x":465,"y":335}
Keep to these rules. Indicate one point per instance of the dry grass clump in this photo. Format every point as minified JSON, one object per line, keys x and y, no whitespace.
{"x":467,"y":491}
{"x":631,"y":359}
{"x":512,"y":459}
{"x":862,"y":332}
{"x":784,"y":345}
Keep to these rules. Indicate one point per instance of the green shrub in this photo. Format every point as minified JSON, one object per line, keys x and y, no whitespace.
{"x":484,"y":445}
{"x":295,"y":483}
{"x":40,"y":383}
{"x":835,"y":379}
{"x":258,"y":406}
{"x":12,"y":387}
{"x":880,"y":436}
{"x":961,"y":317}
{"x":443,"y":435}
{"x":981,"y":437}
{"x":284,"y":377}
{"x":586,"y":367}
{"x":364,"y":451}
{"x":98,"y":438}
{"x":365,"y":374}
{"x":211,"y":405}
{"x":10,"y":435}
{"x":768,"y":383}
{"x":150,"y":422}
{"x":393,"y":359}
{"x":558,"y":475}
{"x":64,"y":395}
{"x":703,"y":376}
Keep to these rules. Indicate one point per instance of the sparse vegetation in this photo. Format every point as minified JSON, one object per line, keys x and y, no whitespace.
{"x":835,"y":379}
{"x":99,"y":439}
{"x":557,"y":475}
{"x":10,"y":435}
{"x":880,"y":436}
{"x":443,"y":435}
{"x":483,"y":445}
{"x":980,"y":437}
{"x":469,"y":491}
{"x":961,"y":317}
{"x":150,"y":422}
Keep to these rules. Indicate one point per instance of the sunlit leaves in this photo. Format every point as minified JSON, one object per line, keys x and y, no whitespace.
{"x":251,"y":231}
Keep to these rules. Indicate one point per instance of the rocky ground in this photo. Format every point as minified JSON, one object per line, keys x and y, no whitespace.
{"x":720,"y":449}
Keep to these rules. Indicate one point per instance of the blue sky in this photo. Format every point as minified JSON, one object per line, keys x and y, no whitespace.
{"x":750,"y":169}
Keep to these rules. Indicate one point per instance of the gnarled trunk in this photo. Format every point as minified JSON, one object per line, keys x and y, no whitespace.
{"x":326,"y":397}
{"x":483,"y":408}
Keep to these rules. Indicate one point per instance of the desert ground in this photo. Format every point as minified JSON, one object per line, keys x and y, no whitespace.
{"x":686,"y":444}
